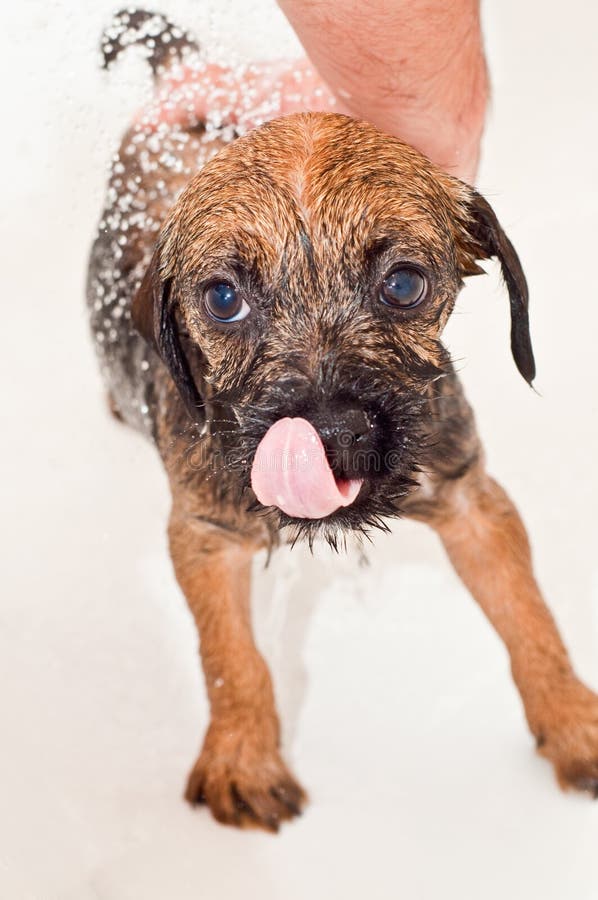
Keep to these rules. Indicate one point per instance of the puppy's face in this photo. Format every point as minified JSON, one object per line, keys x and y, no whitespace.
{"x":312,"y":266}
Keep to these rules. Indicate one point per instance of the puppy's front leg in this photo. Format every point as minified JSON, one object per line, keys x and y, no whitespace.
{"x":239,"y":773}
{"x":488,"y":546}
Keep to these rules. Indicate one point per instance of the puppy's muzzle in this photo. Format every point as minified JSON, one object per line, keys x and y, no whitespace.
{"x":291,"y":470}
{"x":315,"y":461}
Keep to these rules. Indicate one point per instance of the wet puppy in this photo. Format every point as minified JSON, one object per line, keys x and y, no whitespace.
{"x":269,"y":311}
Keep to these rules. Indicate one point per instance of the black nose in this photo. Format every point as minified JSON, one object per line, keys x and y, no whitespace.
{"x":348,"y":437}
{"x":343,"y":428}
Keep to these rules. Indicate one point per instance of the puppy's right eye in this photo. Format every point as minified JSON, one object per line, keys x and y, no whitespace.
{"x":224,"y":303}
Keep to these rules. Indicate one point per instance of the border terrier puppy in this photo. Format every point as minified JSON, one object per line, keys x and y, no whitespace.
{"x":269,"y":311}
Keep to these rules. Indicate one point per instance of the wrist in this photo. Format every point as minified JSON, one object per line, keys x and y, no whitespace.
{"x":443,"y":115}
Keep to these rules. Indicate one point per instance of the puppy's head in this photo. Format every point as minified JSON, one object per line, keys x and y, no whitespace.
{"x":309,"y":270}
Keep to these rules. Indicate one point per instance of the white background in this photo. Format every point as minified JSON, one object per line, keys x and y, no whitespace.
{"x":400,"y":716}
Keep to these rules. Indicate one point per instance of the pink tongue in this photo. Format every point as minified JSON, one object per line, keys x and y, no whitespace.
{"x":290,"y":471}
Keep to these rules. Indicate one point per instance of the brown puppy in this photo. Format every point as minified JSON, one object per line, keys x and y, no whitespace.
{"x":296,"y":292}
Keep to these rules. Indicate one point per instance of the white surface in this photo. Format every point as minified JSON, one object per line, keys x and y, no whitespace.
{"x":399,"y":711}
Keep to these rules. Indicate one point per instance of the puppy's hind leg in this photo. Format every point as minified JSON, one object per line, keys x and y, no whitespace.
{"x":239,"y":773}
{"x":488,"y":546}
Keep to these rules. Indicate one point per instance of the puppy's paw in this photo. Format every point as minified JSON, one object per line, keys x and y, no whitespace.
{"x":569,"y":739}
{"x":244,"y":781}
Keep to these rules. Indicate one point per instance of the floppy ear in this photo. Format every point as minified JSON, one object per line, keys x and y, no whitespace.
{"x":153,"y":317}
{"x":489,"y":240}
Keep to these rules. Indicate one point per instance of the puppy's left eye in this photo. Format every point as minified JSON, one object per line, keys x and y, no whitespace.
{"x":224,"y":303}
{"x":404,"y":288}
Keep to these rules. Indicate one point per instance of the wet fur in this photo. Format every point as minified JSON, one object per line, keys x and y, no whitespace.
{"x":306,"y":215}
